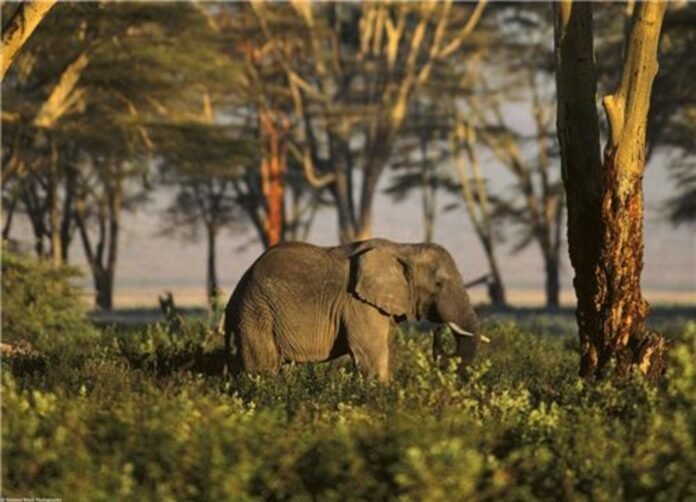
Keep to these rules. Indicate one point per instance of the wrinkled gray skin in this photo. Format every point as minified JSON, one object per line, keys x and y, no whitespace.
{"x":302,"y":303}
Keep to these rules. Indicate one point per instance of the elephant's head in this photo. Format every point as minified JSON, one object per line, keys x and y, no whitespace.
{"x":417,"y":282}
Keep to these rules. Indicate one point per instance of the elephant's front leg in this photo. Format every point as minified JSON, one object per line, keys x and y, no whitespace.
{"x":370,"y":337}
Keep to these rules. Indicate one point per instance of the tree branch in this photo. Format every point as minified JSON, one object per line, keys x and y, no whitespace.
{"x":19,"y":28}
{"x":308,"y":166}
{"x":465,"y":32}
{"x":63,"y":95}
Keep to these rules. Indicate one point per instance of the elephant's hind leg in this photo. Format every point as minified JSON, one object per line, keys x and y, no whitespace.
{"x":257,"y":348}
{"x":233,"y":363}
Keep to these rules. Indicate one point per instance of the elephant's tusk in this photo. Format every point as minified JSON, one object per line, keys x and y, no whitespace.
{"x":459,"y":330}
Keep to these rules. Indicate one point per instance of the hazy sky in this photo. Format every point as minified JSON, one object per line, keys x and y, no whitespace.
{"x":149,"y":260}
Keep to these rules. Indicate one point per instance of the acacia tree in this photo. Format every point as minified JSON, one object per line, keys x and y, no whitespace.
{"x":97,"y":113}
{"x":37,"y":170}
{"x":203,"y":159}
{"x":672,"y":116}
{"x":478,"y":204}
{"x":432,"y":143}
{"x":272,"y":125}
{"x":264,"y":110}
{"x":436,"y":135}
{"x":605,"y":197}
{"x":352,"y":72}
{"x":203,"y":198}
{"x":100,"y":200}
{"x":419,"y":156}
{"x":536,"y":203}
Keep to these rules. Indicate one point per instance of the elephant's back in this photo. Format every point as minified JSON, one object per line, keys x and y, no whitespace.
{"x":295,"y":291}
{"x":293,"y":261}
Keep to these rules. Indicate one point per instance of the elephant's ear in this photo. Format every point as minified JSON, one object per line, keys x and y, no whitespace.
{"x":381,"y":280}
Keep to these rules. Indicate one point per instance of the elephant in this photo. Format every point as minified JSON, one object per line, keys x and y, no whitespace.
{"x":303,"y":303}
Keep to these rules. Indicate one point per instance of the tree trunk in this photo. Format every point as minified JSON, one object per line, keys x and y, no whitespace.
{"x":54,"y":208}
{"x":54,"y":224}
{"x":212,"y":281}
{"x":481,"y":218}
{"x":377,"y":159}
{"x":104,"y":289}
{"x":35,"y":211}
{"x":19,"y":28}
{"x":272,"y":177}
{"x":66,"y":223}
{"x":103,"y":267}
{"x":367,"y":195}
{"x":115,"y":198}
{"x":496,"y":289}
{"x":553,"y":287}
{"x":9,"y":212}
{"x":343,"y":197}
{"x":428,"y":182}
{"x":605,"y":205}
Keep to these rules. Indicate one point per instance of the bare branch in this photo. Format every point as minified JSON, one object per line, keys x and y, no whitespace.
{"x":465,"y":32}
{"x":308,"y":166}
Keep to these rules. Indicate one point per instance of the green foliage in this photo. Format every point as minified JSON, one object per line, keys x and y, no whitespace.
{"x":40,"y":306}
{"x":144,"y":418}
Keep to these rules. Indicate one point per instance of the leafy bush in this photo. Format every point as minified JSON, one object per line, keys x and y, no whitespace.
{"x":41,"y":307}
{"x":133,"y":420}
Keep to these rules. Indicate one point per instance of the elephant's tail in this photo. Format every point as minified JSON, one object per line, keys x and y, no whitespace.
{"x":226,"y":327}
{"x":221,"y":328}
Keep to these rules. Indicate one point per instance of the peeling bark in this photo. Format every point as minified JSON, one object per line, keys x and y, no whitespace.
{"x":605,"y":200}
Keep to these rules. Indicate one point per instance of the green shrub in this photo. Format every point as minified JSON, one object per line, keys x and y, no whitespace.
{"x":132,"y":422}
{"x":41,"y":306}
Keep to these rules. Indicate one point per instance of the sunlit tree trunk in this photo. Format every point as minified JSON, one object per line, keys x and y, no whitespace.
{"x":19,"y":27}
{"x":272,"y":176}
{"x":605,"y":200}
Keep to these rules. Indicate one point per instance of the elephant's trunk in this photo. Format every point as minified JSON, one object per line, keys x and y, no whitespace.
{"x":467,"y":336}
{"x":455,"y":311}
{"x":466,"y":343}
{"x":466,"y":348}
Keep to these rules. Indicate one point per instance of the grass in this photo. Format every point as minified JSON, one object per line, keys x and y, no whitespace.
{"x":145,"y":414}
